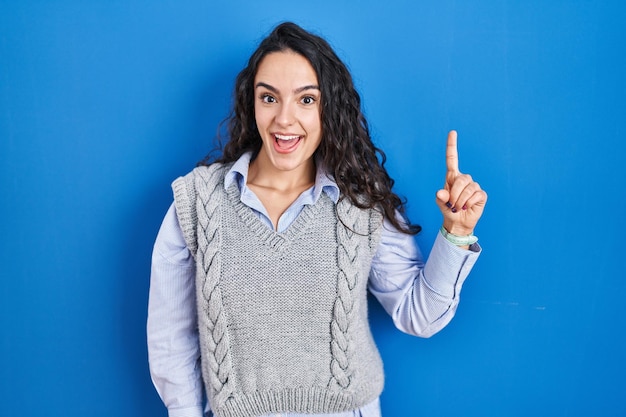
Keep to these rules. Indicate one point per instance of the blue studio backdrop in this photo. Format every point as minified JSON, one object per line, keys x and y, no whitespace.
{"x":103,"y":104}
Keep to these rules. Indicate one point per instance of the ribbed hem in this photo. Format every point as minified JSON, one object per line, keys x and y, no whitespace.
{"x":194,"y":411}
{"x":296,"y":400}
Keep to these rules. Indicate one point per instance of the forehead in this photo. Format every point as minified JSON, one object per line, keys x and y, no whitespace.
{"x":285,"y":67}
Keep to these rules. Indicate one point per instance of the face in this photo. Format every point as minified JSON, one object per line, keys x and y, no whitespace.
{"x":287,"y":111}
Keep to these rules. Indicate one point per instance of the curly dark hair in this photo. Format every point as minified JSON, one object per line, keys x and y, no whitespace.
{"x":346,"y":148}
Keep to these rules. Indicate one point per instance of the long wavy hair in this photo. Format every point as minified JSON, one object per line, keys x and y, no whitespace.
{"x":346,"y":148}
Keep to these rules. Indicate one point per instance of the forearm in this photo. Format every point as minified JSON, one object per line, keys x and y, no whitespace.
{"x":421,"y":298}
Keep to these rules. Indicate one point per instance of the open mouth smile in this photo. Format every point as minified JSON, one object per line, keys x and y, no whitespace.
{"x":286,"y":143}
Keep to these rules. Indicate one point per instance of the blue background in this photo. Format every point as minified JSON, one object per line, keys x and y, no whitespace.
{"x":102,"y":104}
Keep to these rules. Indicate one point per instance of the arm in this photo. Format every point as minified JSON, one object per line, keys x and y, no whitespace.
{"x":421,"y":298}
{"x":173,"y":348}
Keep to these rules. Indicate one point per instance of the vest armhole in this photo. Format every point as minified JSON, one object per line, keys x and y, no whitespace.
{"x":376,"y":221}
{"x":185,"y":203}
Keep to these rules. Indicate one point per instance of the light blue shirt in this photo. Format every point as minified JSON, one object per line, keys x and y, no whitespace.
{"x":421,"y":298}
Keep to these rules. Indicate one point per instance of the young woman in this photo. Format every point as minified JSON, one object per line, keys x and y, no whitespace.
{"x":262,"y":264}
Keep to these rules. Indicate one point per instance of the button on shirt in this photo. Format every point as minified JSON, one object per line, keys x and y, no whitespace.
{"x":420,"y":297}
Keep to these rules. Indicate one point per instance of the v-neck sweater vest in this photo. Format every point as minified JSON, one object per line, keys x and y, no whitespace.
{"x":282,"y":317}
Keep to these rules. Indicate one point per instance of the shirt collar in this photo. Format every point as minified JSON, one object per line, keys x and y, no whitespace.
{"x":324,"y":182}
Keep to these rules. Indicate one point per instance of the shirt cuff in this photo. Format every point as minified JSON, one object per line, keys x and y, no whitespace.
{"x":195,"y":411}
{"x":448,"y":265}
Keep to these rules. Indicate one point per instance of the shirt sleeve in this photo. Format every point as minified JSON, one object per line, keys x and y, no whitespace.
{"x":421,"y":298}
{"x":173,"y":347}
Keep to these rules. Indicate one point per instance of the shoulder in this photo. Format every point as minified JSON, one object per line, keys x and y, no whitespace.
{"x":199,"y":184}
{"x":200,"y":177}
{"x":202,"y":180}
{"x":365,"y":222}
{"x":346,"y":208}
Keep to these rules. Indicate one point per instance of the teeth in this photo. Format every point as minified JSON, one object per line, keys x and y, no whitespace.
{"x":284,"y":137}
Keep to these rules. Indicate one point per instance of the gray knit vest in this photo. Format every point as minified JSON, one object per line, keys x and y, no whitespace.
{"x":282,"y":317}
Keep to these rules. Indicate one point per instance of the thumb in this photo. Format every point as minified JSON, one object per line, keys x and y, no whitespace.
{"x":443,"y":196}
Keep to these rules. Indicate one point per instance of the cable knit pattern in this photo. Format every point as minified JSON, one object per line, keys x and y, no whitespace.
{"x":205,"y":192}
{"x":282,"y":316}
{"x":350,"y":232}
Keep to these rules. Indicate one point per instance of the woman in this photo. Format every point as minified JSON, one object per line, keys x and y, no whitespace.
{"x":262,"y":264}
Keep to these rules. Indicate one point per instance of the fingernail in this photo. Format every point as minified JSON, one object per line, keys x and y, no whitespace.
{"x":448,"y":205}
{"x":464,"y":207}
{"x":453,"y":209}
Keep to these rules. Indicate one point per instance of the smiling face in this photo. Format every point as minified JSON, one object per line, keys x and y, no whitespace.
{"x":287,"y":111}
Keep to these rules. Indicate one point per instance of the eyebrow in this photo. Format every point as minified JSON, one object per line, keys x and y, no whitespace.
{"x":297,"y":90}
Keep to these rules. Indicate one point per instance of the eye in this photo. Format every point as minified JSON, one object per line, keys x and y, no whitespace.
{"x":308,"y":100}
{"x":267,"y":98}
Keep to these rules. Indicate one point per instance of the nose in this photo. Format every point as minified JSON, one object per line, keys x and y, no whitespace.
{"x":286,"y":114}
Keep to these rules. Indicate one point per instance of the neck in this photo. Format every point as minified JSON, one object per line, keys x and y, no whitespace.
{"x":264,"y":174}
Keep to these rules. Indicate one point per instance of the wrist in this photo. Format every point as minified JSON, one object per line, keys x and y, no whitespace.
{"x":457,"y":229}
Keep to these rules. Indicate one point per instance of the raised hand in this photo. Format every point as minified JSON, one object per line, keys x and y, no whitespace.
{"x":461,"y":200}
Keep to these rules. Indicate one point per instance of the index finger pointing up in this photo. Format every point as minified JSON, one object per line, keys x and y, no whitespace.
{"x":452,"y":154}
